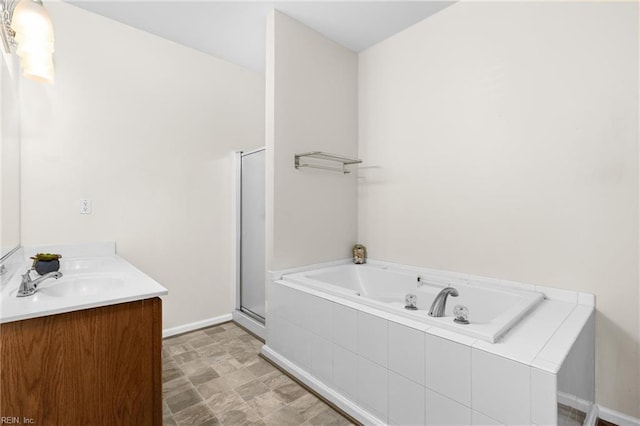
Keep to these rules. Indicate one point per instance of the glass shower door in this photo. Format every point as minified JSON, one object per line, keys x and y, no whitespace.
{"x":252,"y":234}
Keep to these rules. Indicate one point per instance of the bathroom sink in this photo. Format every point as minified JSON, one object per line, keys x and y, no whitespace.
{"x":92,"y":277}
{"x":81,"y":286}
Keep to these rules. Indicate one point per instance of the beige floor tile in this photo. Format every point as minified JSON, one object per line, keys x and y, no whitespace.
{"x":169,"y":421}
{"x":245,"y":358}
{"x":186,"y":357}
{"x":171,"y":372}
{"x":213,"y":330}
{"x":247,"y":338}
{"x":192,"y":366}
{"x":202,"y":375}
{"x":308,"y":406}
{"x":165,"y":409}
{"x":175,"y":386}
{"x":195,"y":415}
{"x":251,"y":389}
{"x":260,"y":367}
{"x":266,"y":403}
{"x":213,"y":387}
{"x":218,"y":358}
{"x":328,"y":417}
{"x":286,"y":416}
{"x":289,"y":392}
{"x":239,"y":377}
{"x":275,"y":379}
{"x":201,"y":341}
{"x":211,"y":350}
{"x":226,"y":366}
{"x":225,"y":401}
{"x":183,"y":400}
{"x":240,"y":415}
{"x":178,"y":348}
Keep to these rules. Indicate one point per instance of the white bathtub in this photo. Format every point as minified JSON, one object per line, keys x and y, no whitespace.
{"x":493,"y":309}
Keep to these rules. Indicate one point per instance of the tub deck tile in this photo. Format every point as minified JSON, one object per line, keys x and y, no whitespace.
{"x":531,"y":334}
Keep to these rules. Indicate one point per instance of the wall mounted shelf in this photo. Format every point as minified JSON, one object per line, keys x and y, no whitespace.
{"x":325,"y":161}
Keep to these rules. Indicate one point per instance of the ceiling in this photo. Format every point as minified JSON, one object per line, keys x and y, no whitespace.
{"x":235,"y":30}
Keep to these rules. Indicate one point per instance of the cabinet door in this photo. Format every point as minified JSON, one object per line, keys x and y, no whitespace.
{"x":91,"y":367}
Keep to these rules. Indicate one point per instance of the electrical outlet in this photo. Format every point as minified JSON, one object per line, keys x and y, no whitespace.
{"x":85,"y":206}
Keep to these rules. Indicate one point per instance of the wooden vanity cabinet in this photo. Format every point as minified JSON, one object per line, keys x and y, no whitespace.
{"x":99,"y":366}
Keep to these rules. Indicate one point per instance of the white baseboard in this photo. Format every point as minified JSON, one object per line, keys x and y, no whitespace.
{"x":168,"y":332}
{"x":617,"y":417}
{"x":575,"y":402}
{"x":325,"y":391}
{"x":592,"y":416}
{"x":595,"y":411}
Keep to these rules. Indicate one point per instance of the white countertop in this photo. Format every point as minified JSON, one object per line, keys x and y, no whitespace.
{"x":93,"y":276}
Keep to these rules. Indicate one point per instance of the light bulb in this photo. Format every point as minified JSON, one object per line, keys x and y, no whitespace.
{"x":31,"y":46}
{"x":30,"y":17}
{"x":38,"y":67}
{"x":35,"y":39}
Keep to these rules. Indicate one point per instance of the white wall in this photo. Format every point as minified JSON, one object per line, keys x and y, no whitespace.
{"x":145,"y":128}
{"x":503,"y":141}
{"x":311,"y":106}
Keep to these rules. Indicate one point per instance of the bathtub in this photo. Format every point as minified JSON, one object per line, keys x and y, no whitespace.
{"x":493,"y":309}
{"x":342,"y":330}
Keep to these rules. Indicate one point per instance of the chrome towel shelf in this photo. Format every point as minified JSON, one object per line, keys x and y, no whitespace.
{"x":325,"y":159}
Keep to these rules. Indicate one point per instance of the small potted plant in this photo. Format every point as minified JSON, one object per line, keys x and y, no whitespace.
{"x":44,"y":263}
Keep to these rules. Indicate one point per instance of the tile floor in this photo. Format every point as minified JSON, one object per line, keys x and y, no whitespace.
{"x":215,"y":377}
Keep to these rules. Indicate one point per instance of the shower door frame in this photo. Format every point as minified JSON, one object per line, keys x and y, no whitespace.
{"x":248,"y":319}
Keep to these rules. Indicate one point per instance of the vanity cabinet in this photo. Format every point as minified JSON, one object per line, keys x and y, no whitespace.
{"x":98,"y":366}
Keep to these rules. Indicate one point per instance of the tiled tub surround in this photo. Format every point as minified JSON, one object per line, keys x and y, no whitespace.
{"x":382,"y":368}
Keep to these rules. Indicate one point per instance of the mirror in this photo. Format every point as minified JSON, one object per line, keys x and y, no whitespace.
{"x":9,"y":157}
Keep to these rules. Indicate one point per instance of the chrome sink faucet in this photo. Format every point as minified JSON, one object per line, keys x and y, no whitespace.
{"x":440,"y":302}
{"x":28,"y":286}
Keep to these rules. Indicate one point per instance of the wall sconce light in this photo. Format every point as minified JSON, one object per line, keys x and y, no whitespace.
{"x":27,"y":30}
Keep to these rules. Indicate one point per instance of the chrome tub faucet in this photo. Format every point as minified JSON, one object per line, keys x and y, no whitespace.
{"x":440,"y":302}
{"x":29,"y":287}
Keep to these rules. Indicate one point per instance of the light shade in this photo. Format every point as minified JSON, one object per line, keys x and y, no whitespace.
{"x":35,"y":39}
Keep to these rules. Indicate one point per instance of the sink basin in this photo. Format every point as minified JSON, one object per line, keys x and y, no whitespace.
{"x":81,"y":286}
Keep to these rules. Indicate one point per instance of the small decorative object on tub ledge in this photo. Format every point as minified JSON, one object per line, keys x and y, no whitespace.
{"x":325,"y":161}
{"x":43,"y":263}
{"x":461,"y":314}
{"x":359,"y":254}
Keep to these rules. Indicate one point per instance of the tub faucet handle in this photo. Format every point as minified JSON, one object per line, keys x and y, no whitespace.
{"x":410,"y":302}
{"x":461,"y":314}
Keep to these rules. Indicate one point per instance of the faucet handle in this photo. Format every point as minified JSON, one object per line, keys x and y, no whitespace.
{"x":25,"y":285}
